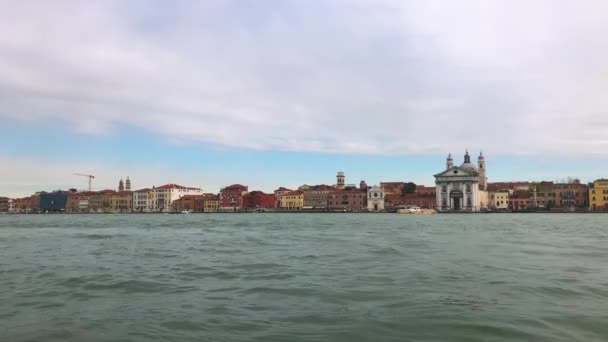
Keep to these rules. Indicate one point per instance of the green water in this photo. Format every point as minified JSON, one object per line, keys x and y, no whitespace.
{"x":304,"y":277}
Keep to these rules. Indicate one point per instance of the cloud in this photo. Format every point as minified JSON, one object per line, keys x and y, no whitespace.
{"x":374,"y":77}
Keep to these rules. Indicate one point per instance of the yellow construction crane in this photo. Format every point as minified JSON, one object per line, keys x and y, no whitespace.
{"x":91,"y":177}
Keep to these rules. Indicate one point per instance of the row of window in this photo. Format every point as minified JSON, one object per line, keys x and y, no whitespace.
{"x":605,"y":198}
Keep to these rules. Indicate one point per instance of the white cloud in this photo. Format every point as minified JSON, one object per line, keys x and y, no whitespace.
{"x":377,"y":77}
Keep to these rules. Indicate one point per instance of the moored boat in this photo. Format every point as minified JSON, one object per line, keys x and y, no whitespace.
{"x":413,"y":210}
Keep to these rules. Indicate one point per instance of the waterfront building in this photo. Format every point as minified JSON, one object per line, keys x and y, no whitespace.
{"x":393,"y":188}
{"x":316,"y":197}
{"x":258,"y":199}
{"x":211,"y":203}
{"x":160,"y":198}
{"x":78,"y":202}
{"x":22,"y":205}
{"x":35,"y":202}
{"x":231,"y":197}
{"x":53,"y":201}
{"x":340,"y":180}
{"x":141,"y":200}
{"x":499,"y":200}
{"x":375,"y":198}
{"x":100,"y":201}
{"x":293,"y":200}
{"x":519,"y":200}
{"x":348,"y":199}
{"x":4,"y":204}
{"x":423,"y":197}
{"x":191,"y":203}
{"x":598,"y":195}
{"x":121,"y":202}
{"x":277,"y":195}
{"x":560,"y":196}
{"x":460,"y":188}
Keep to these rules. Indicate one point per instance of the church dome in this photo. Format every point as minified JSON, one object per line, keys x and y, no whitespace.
{"x":468,"y":167}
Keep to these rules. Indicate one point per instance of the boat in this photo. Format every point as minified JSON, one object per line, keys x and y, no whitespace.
{"x":413,"y":210}
{"x":185,"y":211}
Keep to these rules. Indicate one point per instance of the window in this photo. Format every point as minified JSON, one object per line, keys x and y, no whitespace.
{"x":444,"y":188}
{"x":468,"y":187}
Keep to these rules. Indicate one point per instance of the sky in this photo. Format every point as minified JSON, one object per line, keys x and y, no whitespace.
{"x":284,"y":93}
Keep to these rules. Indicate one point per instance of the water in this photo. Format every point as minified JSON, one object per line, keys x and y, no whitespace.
{"x":304,"y":277}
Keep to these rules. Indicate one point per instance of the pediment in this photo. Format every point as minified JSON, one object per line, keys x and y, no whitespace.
{"x":457,"y":172}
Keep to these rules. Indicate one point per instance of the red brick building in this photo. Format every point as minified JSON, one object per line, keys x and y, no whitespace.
{"x":258,"y":199}
{"x":349,"y":199}
{"x":79,"y":202}
{"x":22,"y":205}
{"x":231,"y":197}
{"x":423,"y":197}
{"x":392,"y":188}
{"x":560,"y":195}
{"x":519,"y":200}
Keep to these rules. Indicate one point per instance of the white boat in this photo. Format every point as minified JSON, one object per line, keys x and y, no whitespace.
{"x":185,"y":212}
{"x":415,"y":210}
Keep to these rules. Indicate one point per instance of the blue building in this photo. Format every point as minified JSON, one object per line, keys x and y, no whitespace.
{"x":53,"y":201}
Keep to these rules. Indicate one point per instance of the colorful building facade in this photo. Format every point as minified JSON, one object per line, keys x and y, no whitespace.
{"x":348,"y":199}
{"x":292,"y":200}
{"x":258,"y":200}
{"x":598,"y":195}
{"x":231,"y":197}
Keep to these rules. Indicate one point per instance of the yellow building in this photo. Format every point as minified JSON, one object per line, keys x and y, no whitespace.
{"x":292,"y":200}
{"x":598,"y":195}
{"x":211,"y":204}
{"x":499,"y":200}
{"x":121,"y":202}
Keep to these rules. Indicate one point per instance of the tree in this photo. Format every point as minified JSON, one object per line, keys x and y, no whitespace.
{"x":409,"y":188}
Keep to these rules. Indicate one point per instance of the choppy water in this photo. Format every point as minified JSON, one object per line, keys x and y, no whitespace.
{"x":304,"y":277}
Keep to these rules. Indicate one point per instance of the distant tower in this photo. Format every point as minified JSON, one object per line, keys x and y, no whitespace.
{"x":363,"y":185}
{"x":128,"y":184}
{"x":481,"y":165}
{"x":467,"y":157}
{"x":340,"y":180}
{"x":121,"y":185}
{"x":450,"y":162}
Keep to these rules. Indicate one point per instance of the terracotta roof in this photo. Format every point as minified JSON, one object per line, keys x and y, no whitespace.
{"x":235,"y":187}
{"x":143,"y":190}
{"x":283,"y":189}
{"x":294,"y":193}
{"x":191,"y":196}
{"x":173,"y":186}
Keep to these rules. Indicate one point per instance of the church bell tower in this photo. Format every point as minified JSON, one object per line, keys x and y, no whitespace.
{"x":340,"y":180}
{"x":481,"y":166}
{"x":449,"y":162}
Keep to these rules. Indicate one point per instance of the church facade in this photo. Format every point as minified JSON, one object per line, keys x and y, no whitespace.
{"x":462,"y":188}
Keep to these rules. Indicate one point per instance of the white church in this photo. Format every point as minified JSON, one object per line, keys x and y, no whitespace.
{"x":462,"y":188}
